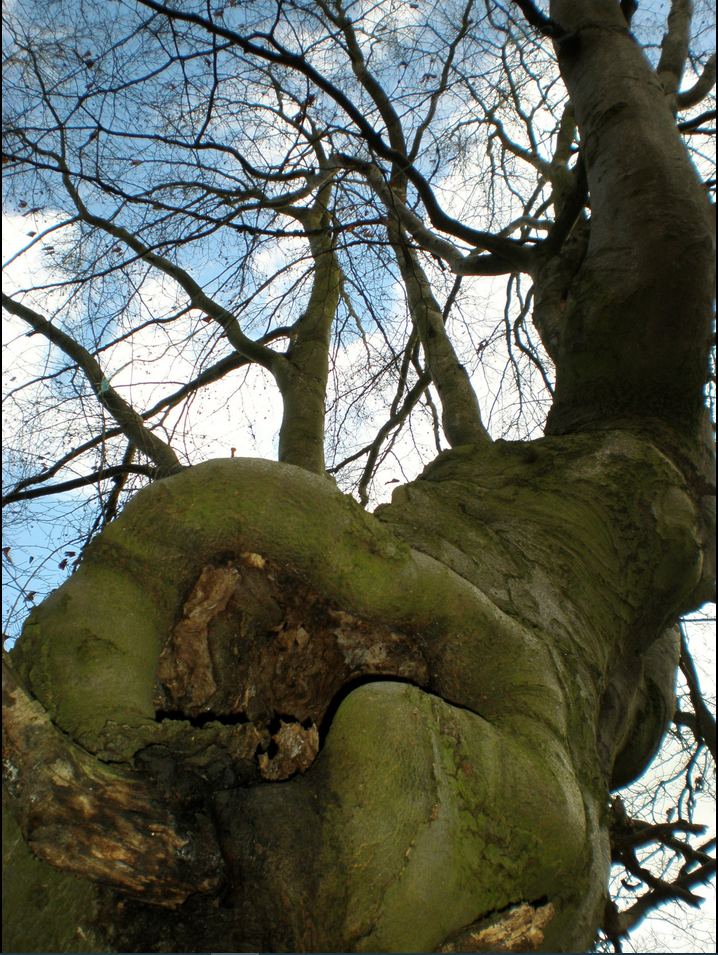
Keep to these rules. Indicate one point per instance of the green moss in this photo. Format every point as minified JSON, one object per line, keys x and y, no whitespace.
{"x":43,"y":910}
{"x":525,"y":572}
{"x":577,"y":535}
{"x":437,"y":817}
{"x":90,"y":651}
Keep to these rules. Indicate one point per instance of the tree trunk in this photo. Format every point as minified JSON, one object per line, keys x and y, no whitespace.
{"x":637,"y":317}
{"x":273,"y":722}
{"x":515,"y":590}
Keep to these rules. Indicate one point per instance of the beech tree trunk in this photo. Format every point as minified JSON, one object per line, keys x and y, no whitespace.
{"x":258,"y":718}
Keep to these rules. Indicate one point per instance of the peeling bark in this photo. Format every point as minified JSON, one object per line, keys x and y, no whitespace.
{"x":518,"y":930}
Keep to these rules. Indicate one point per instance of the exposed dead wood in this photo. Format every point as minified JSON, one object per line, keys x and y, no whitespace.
{"x":96,"y":821}
{"x":519,"y":929}
{"x":256,"y":642}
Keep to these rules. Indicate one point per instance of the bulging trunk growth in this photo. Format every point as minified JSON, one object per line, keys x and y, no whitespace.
{"x":472,"y":664}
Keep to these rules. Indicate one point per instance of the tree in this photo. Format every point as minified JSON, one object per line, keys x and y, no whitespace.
{"x":258,"y":716}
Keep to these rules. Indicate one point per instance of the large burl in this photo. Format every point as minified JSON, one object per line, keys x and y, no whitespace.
{"x":390,"y":732}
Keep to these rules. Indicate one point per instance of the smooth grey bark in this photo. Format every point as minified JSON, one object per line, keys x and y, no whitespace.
{"x":461,"y":417}
{"x":633,"y":349}
{"x":302,"y":376}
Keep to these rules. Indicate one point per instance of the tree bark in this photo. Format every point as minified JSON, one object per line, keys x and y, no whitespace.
{"x":505,"y":589}
{"x":635,"y":335}
{"x":302,"y":377}
{"x":396,"y":732}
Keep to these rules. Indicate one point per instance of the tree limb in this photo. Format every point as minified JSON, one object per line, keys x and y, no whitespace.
{"x":101,"y":475}
{"x":280,"y":55}
{"x":705,"y":729}
{"x":461,"y":417}
{"x":214,"y":373}
{"x":124,"y":414}
{"x":244,"y":345}
{"x":692,"y":124}
{"x":701,"y":88}
{"x":674,"y":46}
{"x":518,"y":258}
{"x":545,"y":25}
{"x":394,"y":421}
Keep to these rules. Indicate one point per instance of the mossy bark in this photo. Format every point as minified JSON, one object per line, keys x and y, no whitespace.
{"x":44,"y":910}
{"x":517,"y":591}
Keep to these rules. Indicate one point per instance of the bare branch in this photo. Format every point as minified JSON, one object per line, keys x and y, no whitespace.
{"x":94,"y":478}
{"x":691,"y":125}
{"x":124,"y":414}
{"x":280,"y":55}
{"x":545,"y":25}
{"x":519,"y":257}
{"x":674,"y":46}
{"x":701,"y":88}
{"x":393,"y":422}
{"x":705,"y":724}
